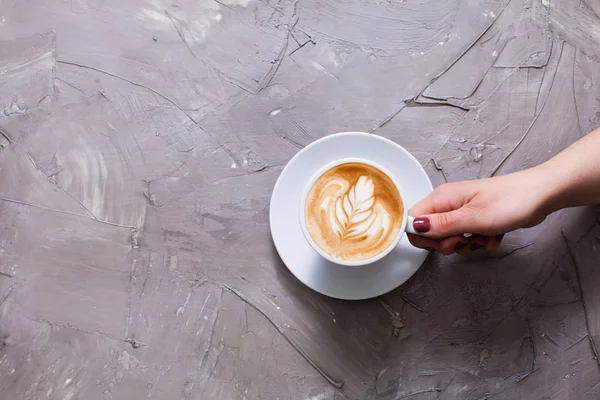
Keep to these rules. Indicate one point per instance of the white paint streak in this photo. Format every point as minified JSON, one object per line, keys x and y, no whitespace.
{"x":319,"y":67}
{"x":158,"y":19}
{"x":181,"y":309}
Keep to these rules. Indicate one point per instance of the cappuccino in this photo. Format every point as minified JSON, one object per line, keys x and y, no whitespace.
{"x":353,"y":211}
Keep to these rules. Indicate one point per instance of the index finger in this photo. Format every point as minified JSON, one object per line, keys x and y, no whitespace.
{"x":445,"y":198}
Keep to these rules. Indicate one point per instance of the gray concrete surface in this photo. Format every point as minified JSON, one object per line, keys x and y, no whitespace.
{"x":140,"y":144}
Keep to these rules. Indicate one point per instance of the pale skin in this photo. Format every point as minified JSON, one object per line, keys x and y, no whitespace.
{"x":490,"y":207}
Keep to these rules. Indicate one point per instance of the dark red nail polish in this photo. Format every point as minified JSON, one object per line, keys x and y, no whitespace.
{"x":422,"y":224}
{"x":476,"y":246}
{"x":500,"y":237}
{"x":459,"y":246}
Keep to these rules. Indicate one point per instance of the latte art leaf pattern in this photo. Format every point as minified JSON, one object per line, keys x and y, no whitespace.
{"x":354,"y":211}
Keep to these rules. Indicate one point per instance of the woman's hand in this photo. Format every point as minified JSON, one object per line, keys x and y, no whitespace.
{"x":487,"y":208}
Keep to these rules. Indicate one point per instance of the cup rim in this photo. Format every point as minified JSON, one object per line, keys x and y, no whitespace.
{"x":307,"y":235}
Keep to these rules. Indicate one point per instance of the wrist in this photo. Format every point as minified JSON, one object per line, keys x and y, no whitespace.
{"x":549,"y":187}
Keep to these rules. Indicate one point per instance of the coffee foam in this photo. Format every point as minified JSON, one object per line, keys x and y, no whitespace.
{"x":353,"y":211}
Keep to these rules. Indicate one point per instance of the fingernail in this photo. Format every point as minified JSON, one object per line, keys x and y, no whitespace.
{"x":459,"y":246}
{"x":500,"y":237}
{"x":422,"y":224}
{"x":476,"y":246}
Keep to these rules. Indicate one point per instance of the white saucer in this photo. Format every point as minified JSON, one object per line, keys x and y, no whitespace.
{"x":343,"y":282}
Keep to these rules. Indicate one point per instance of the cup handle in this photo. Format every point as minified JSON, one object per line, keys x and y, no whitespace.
{"x":411,"y":229}
{"x":409,"y":225}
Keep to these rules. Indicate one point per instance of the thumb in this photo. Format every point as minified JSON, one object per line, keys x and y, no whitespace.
{"x":443,"y":225}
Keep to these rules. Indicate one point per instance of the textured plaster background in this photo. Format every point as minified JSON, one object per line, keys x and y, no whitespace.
{"x":140,"y":141}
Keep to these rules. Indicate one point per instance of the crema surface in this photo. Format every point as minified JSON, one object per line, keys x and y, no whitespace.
{"x":353,"y":211}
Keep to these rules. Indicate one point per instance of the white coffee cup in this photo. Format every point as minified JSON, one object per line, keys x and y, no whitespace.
{"x":406,"y":226}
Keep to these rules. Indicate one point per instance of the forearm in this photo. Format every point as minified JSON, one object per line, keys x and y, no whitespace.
{"x":573,"y":176}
